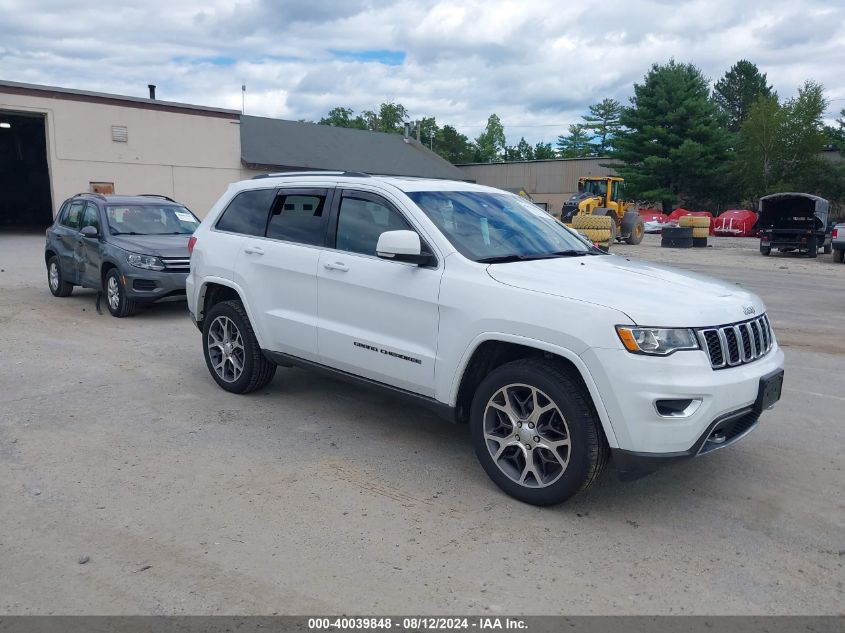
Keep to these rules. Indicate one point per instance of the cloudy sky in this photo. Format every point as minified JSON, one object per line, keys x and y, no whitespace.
{"x":536,"y":63}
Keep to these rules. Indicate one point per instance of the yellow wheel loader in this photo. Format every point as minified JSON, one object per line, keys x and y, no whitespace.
{"x":602,"y":196}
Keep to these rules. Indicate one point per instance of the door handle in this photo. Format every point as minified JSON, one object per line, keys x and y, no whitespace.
{"x":253,"y":250}
{"x":336,"y":266}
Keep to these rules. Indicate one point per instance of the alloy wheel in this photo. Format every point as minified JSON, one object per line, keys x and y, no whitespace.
{"x":113,"y":293}
{"x":54,"y":276}
{"x":526,"y":435}
{"x":226,"y":349}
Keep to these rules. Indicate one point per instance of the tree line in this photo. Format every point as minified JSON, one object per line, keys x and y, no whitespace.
{"x":677,"y":141}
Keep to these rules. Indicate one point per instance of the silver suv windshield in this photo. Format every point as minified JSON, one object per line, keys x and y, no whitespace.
{"x":492,"y":227}
{"x":150,"y":219}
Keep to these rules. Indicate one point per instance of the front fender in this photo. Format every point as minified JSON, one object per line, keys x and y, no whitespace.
{"x":563,"y":352}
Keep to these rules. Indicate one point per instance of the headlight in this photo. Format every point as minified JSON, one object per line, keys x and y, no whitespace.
{"x":145,"y":261}
{"x":656,"y":341}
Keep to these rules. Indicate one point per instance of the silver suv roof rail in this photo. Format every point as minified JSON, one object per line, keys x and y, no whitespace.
{"x":284,"y":174}
{"x":154,"y":195}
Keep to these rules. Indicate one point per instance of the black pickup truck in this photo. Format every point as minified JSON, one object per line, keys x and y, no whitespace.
{"x":794,"y":222}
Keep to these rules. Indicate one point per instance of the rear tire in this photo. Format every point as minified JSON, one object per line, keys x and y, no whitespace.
{"x":766,"y":250}
{"x":58,"y":286}
{"x":838,"y":255}
{"x":828,"y":249}
{"x":537,"y":403}
{"x":232,"y":353}
{"x":117,"y":302}
{"x":637,"y":232}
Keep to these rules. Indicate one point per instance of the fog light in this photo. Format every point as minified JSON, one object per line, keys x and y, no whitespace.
{"x":679,"y":408}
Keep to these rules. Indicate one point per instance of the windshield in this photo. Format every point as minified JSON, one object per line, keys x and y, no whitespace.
{"x":490,"y":226}
{"x":595,"y":187}
{"x":150,"y":219}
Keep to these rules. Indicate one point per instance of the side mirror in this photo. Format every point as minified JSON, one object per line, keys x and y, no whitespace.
{"x":402,"y":246}
{"x":89,"y":231}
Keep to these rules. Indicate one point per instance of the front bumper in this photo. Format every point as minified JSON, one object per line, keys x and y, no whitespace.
{"x":151,"y":285}
{"x":724,"y":431}
{"x":630,"y":385}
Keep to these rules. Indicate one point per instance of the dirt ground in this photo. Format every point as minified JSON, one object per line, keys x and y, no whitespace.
{"x":314,"y":496}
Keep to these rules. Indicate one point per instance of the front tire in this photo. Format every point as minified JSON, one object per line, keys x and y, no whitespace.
{"x":118,"y":303}
{"x":232,"y":353}
{"x":637,"y":232}
{"x":536,"y":432}
{"x":58,"y":286}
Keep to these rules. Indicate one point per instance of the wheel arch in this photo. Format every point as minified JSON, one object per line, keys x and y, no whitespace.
{"x":215,"y":290}
{"x":48,"y":253}
{"x":105,"y":267}
{"x":489,"y":351}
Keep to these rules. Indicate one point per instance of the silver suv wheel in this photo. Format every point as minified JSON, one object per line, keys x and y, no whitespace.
{"x":225,"y":349}
{"x":54,"y":276}
{"x":113,"y":293}
{"x":526,"y":435}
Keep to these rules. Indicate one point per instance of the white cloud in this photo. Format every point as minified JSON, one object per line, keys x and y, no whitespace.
{"x":537,"y":64}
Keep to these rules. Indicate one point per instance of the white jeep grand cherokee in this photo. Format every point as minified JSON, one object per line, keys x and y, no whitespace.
{"x":480,"y":304}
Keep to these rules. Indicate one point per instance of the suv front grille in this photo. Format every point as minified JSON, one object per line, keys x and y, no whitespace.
{"x":176,"y":264}
{"x":737,"y":343}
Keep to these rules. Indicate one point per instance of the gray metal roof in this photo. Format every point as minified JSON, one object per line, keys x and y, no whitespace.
{"x":87,"y":95}
{"x":294,"y":145}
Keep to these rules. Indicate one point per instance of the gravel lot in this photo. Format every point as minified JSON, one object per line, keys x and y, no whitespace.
{"x":314,"y":496}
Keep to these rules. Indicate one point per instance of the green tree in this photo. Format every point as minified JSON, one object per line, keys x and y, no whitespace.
{"x":490,"y":144}
{"x":522,"y":151}
{"x":673,"y":145}
{"x":342,"y":117}
{"x":603,"y":122}
{"x":780,"y":143}
{"x":738,"y":90}
{"x":577,"y":143}
{"x":391,"y":118}
{"x":544,"y":151}
{"x":454,"y":146}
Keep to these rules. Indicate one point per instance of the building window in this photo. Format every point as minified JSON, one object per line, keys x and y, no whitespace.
{"x":120,"y":133}
{"x":106,"y":188}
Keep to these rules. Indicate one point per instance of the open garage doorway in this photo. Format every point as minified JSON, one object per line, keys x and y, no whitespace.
{"x":25,"y":199}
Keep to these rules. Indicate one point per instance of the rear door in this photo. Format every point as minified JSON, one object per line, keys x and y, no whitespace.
{"x":377,"y":318}
{"x":67,"y":239}
{"x":88,"y":248}
{"x":278,"y":271}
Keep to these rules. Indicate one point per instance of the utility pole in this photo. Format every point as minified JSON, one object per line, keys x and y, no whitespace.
{"x":431,"y":139}
{"x":243,"y":98}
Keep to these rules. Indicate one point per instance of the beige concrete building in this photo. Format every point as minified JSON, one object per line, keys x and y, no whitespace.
{"x":56,"y":142}
{"x":548,"y":182}
{"x":59,"y":142}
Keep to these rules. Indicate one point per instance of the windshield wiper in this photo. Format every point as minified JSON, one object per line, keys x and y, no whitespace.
{"x":504,"y":259}
{"x":126,"y":233}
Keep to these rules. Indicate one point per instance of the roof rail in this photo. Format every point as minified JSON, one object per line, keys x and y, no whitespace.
{"x":154,"y":195}
{"x":284,"y":174}
{"x":89,"y":193}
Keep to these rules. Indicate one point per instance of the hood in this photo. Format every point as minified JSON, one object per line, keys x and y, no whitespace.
{"x":650,"y":294}
{"x":158,"y":245}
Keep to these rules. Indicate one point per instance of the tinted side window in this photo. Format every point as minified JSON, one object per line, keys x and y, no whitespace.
{"x":298,"y":217}
{"x":71,"y":217}
{"x":90,"y":217}
{"x":361,"y":222}
{"x":247,"y":212}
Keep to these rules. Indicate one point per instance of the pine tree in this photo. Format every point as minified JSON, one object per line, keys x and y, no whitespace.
{"x":576,"y":144}
{"x":738,"y":90}
{"x":603,"y":122}
{"x":673,"y":145}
